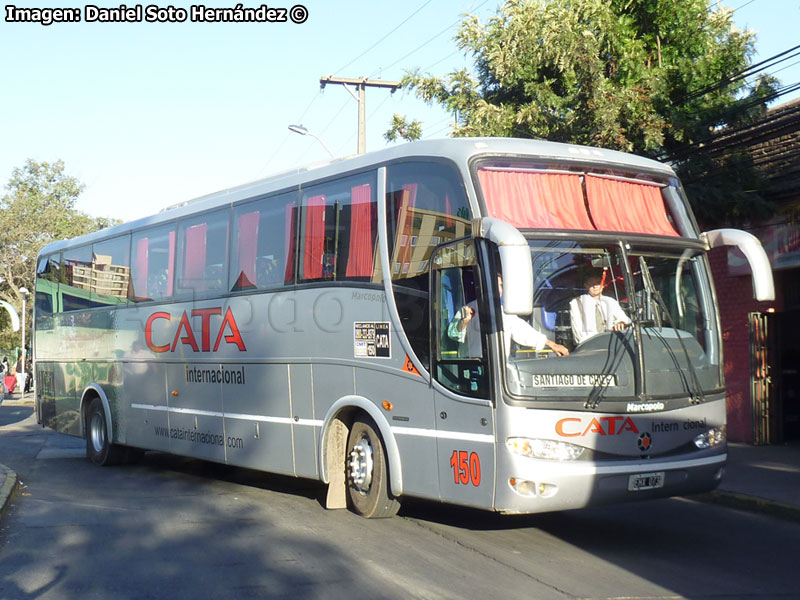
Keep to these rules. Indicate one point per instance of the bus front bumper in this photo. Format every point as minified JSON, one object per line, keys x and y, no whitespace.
{"x":533,"y":486}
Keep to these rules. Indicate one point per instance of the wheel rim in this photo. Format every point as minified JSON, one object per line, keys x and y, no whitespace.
{"x":361,"y":465}
{"x":97,"y":432}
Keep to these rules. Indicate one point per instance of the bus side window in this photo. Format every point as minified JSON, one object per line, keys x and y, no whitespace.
{"x":49,"y":268}
{"x":338,"y":231}
{"x":459,"y":327}
{"x":460,"y":350}
{"x":46,"y":294}
{"x":76,"y":280}
{"x":202,"y":263}
{"x":263,"y":243}
{"x":153,"y":253}
{"x":111,"y":271}
{"x":426,"y":206}
{"x":44,"y":310}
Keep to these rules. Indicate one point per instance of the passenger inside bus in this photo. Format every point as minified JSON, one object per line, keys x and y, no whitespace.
{"x":593,"y":312}
{"x":465,"y":329}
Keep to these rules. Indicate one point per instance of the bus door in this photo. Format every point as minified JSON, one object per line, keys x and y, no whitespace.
{"x":464,"y":415}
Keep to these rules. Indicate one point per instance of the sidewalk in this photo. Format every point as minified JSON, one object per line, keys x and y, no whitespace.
{"x":9,"y":482}
{"x":8,"y":487}
{"x":763,"y":479}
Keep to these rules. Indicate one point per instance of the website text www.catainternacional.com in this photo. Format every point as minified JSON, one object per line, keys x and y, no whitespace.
{"x":199,"y":437}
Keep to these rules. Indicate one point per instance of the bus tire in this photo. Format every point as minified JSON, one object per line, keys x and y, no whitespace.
{"x":99,"y":448}
{"x":367,"y":473}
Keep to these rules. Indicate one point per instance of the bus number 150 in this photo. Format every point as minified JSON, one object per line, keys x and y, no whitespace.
{"x":466,"y":467}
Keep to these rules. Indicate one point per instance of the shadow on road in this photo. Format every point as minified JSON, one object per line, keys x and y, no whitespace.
{"x":14,"y":413}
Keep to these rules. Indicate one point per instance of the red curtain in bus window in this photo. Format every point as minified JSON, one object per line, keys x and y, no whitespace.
{"x":627,"y":206}
{"x":140,"y":269}
{"x":362,"y":237}
{"x":289,"y":239}
{"x":535,"y":200}
{"x":247,"y":248}
{"x":314,"y":237}
{"x":195,"y":256}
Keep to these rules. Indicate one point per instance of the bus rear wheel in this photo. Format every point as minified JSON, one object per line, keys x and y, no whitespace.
{"x":367,"y":473}
{"x":99,"y":448}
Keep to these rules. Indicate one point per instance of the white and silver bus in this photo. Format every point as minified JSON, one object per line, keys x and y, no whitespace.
{"x":304,"y":325}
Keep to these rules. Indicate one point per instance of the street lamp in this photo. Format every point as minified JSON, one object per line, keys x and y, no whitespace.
{"x":303,"y":131}
{"x":21,"y":380}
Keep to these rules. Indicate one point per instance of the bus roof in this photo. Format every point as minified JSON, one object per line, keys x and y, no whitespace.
{"x":461,"y":150}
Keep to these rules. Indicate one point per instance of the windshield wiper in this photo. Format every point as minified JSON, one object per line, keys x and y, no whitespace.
{"x":696,"y":388}
{"x":620,"y":343}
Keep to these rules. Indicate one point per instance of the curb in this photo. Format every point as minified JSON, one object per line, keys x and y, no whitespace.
{"x":748,"y":503}
{"x":8,"y":489}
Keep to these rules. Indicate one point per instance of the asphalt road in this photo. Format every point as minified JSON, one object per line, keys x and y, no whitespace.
{"x":177,"y":528}
{"x":14,"y":413}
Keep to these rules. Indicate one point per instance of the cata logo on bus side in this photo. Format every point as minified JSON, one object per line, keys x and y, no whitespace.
{"x":184,"y":334}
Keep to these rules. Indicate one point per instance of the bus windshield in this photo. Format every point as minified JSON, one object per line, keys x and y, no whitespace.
{"x":638,"y":322}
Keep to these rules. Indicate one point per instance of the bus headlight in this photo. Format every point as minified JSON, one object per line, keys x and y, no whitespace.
{"x":713,"y":437}
{"x":547,"y":449}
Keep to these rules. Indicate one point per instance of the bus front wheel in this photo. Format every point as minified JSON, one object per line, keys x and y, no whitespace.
{"x":99,"y":448}
{"x":367,"y":473}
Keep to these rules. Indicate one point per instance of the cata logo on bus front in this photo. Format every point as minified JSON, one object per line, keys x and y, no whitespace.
{"x":227,"y":332}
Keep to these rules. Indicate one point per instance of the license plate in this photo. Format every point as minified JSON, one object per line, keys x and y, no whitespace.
{"x":645,"y":481}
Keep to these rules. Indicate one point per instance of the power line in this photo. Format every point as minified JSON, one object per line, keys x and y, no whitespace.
{"x":789,"y":66}
{"x":436,"y":132}
{"x":423,"y":44}
{"x":717,"y":142}
{"x":429,"y":67}
{"x":385,"y":36}
{"x":741,"y":7}
{"x":338,"y":112}
{"x":314,"y":99}
{"x":379,"y":41}
{"x":744,"y":73}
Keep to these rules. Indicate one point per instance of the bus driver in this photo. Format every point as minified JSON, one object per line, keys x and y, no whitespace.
{"x":592,"y":312}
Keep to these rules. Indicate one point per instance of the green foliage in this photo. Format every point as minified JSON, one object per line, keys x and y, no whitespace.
{"x":401,"y":128}
{"x":652,"y":77}
{"x":38,"y":208}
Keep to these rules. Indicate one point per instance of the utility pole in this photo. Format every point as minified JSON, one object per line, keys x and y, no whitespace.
{"x":361,"y":85}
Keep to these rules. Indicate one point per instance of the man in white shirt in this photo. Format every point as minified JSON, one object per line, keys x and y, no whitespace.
{"x":465,"y":329}
{"x":593,"y":313}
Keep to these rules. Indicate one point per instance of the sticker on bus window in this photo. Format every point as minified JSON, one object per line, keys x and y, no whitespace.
{"x":372,"y":340}
{"x":574,"y":380}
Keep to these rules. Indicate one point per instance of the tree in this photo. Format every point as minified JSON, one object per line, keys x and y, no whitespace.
{"x":38,"y":208}
{"x":652,"y":77}
{"x":403,"y":129}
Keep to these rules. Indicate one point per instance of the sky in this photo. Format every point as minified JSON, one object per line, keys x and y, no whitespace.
{"x":151,"y":114}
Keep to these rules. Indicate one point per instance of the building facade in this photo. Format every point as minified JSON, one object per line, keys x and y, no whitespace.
{"x":762,"y":340}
